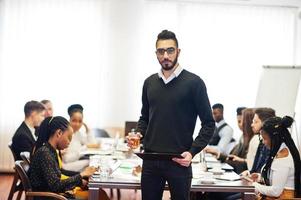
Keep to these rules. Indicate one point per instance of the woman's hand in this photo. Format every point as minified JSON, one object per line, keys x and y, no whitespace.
{"x":84,"y":185}
{"x":245,"y":173}
{"x":255,"y":177}
{"x":88,"y":171}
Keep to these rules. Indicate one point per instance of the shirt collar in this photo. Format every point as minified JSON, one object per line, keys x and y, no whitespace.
{"x":178,"y":70}
{"x":32,"y":130}
{"x":175,"y":73}
{"x":218,"y":124}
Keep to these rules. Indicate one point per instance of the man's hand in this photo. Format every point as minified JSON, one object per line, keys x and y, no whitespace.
{"x":236,"y":158}
{"x":130,"y":142}
{"x":211,"y":150}
{"x":186,"y":160}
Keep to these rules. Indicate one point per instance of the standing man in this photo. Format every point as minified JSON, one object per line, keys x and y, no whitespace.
{"x":223,"y":133}
{"x":25,"y":137}
{"x":171,"y":101}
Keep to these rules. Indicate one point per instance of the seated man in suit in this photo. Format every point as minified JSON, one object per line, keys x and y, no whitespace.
{"x":25,"y":136}
{"x":223,"y":132}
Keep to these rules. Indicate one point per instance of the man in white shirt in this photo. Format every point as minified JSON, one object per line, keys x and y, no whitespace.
{"x":223,"y":134}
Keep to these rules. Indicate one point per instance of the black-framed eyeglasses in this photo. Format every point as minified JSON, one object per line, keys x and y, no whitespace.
{"x":169,"y":51}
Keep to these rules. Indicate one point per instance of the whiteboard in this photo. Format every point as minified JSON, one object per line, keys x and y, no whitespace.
{"x":296,"y":128}
{"x":278,"y":89}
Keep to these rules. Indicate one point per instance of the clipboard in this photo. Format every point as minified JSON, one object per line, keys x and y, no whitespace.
{"x":158,"y":156}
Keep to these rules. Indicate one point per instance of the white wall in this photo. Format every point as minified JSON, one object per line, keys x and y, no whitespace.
{"x":298,"y":37}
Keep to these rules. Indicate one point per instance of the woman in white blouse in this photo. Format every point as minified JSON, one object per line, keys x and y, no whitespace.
{"x":280,"y":177}
{"x":81,"y":139}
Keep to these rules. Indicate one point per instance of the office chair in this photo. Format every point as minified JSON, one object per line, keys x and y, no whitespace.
{"x":16,"y":185}
{"x":22,"y":169}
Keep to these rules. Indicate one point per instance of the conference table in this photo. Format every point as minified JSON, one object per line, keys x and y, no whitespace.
{"x":242,"y":186}
{"x":122,"y":176}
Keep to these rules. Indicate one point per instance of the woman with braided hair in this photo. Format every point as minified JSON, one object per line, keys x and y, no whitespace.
{"x":45,"y":173}
{"x":280,"y":177}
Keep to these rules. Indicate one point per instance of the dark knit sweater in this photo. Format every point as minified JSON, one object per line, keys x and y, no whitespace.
{"x":169,"y":113}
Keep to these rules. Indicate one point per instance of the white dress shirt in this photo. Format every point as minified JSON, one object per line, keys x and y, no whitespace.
{"x":72,"y":154}
{"x":252,"y":149}
{"x":282,"y":176}
{"x":175,"y":74}
{"x":32,"y":130}
{"x":83,"y":137}
{"x":226,"y":135}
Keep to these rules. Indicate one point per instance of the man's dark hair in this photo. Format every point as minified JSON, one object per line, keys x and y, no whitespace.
{"x":218,"y":106}
{"x":32,"y":106}
{"x":167,"y":35}
{"x":239,"y":110}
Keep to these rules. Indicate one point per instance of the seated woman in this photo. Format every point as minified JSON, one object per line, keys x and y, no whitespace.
{"x":258,"y":153}
{"x":82,"y":139}
{"x":238,"y":154}
{"x":55,"y":133}
{"x":280,"y":177}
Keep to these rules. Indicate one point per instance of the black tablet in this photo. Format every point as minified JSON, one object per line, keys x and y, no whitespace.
{"x":158,"y":156}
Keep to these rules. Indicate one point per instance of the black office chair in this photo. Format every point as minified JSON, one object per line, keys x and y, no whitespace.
{"x":22,"y":169}
{"x":98,"y":132}
{"x":16,"y":185}
{"x":129,"y":125}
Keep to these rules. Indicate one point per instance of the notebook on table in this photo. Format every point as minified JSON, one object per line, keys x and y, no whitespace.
{"x":229,"y":177}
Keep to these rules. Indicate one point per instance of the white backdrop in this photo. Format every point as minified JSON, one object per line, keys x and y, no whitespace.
{"x":296,"y":127}
{"x":98,"y":52}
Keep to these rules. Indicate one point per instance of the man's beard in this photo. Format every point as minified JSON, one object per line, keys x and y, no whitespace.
{"x":166,"y":67}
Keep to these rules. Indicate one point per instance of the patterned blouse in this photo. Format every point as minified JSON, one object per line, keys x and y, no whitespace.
{"x":45,"y":174}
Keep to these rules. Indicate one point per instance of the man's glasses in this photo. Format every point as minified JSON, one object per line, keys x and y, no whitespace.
{"x":169,"y":51}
